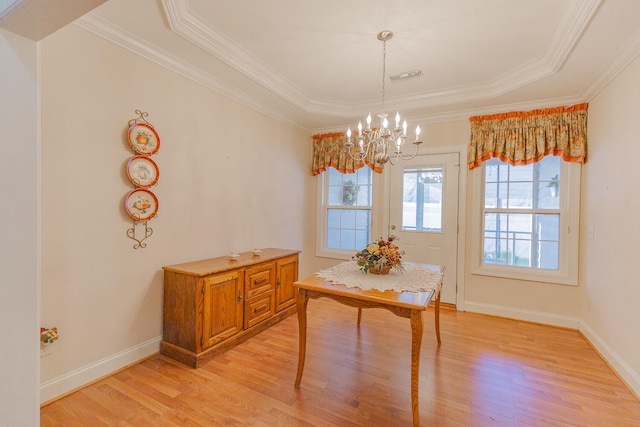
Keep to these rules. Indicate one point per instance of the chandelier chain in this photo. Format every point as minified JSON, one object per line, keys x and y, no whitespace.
{"x":384,"y":69}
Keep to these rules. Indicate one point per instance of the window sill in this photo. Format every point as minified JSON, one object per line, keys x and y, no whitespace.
{"x":335,"y":254}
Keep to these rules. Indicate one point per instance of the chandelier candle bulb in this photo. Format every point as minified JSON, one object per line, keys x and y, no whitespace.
{"x":369,"y":121}
{"x":404,"y":128}
{"x":349,"y":144}
{"x":360,"y":128}
{"x":397,"y":119}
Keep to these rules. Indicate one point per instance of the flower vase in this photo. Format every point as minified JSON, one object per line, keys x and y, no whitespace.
{"x":383,"y":270}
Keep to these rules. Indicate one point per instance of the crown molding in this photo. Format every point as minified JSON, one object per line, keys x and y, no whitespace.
{"x":218,"y":45}
{"x":623,"y":57}
{"x":130,"y":42}
{"x":465,"y":113}
{"x":8,"y":6}
{"x":573,"y":22}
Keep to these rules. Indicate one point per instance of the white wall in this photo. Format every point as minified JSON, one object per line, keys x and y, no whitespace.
{"x":611,"y":205}
{"x":19,"y":213}
{"x":230,"y":180}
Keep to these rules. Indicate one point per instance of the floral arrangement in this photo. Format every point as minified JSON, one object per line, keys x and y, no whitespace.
{"x":380,"y":256}
{"x":48,"y":336}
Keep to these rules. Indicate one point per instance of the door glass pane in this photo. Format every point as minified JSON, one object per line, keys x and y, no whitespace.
{"x":422,"y":199}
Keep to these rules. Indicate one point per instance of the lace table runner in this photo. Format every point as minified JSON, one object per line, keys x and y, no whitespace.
{"x":413,"y":279}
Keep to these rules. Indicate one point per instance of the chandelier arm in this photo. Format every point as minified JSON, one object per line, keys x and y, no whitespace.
{"x":361,"y":155}
{"x":399,"y":156}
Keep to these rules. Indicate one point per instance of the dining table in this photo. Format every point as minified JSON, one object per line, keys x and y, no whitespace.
{"x":406,"y":293}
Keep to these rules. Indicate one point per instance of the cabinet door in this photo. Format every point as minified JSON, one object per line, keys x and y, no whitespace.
{"x":287,"y":273}
{"x":222,"y":307}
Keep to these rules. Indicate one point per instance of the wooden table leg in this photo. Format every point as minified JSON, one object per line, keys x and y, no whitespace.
{"x":437,"y":317}
{"x":359,"y":315}
{"x":301,"y":303}
{"x":417,"y":327}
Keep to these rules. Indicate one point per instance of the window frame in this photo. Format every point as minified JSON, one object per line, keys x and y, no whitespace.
{"x":567,"y":272}
{"x":322,"y":208}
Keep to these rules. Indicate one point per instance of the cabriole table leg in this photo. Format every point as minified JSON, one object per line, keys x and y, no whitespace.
{"x":417,"y":326}
{"x":301,"y":303}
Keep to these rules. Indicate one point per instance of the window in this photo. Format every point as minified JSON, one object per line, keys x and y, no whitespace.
{"x":528,"y":220}
{"x":345,"y":212}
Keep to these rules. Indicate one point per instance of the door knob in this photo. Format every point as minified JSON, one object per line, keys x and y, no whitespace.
{"x":393,"y":227}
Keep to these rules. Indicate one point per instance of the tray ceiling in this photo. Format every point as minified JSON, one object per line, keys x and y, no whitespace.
{"x":317,"y":65}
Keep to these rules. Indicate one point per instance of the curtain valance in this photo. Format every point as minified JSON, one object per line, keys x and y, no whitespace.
{"x":520,"y":138}
{"x":329,"y":150}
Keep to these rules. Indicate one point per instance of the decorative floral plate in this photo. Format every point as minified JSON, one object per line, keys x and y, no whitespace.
{"x":141,"y":204}
{"x":142,"y":171}
{"x":143,"y":139}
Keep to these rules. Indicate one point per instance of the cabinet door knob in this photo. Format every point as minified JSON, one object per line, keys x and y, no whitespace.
{"x":239,"y":296}
{"x":278,"y":282}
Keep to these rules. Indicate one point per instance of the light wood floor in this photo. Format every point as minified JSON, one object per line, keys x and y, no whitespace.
{"x":488,"y":372}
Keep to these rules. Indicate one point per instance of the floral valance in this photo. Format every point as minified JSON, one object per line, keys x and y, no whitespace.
{"x":520,"y":138}
{"x":329,"y":150}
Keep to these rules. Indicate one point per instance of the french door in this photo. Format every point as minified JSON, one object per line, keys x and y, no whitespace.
{"x":423,"y":213}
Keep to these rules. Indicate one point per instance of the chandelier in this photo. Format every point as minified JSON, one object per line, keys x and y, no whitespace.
{"x":385,"y":142}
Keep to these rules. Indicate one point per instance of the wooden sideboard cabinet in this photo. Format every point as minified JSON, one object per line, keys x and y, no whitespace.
{"x":211,"y":305}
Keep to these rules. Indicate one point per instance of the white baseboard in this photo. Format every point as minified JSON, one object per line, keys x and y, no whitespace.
{"x":80,"y":377}
{"x":625,"y":371}
{"x":628,"y":375}
{"x":520,"y":314}
{"x":85,"y":375}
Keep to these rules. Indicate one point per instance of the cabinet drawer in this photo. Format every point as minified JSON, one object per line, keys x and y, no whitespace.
{"x":258,"y":308}
{"x":260,"y":280}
